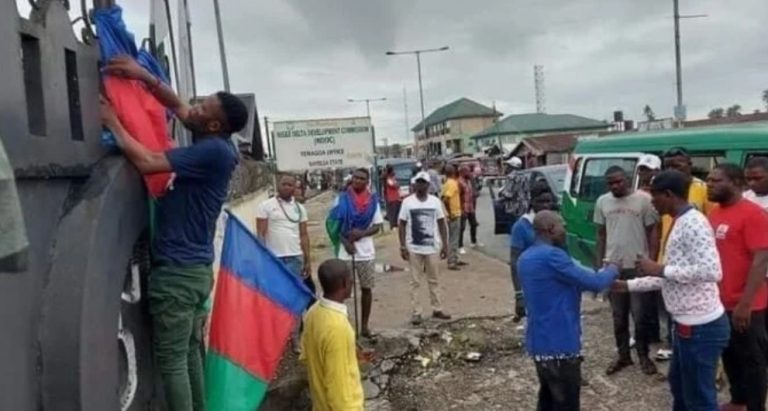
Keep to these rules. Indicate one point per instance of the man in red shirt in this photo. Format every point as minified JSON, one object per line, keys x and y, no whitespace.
{"x":468,"y":205}
{"x":392,"y":196}
{"x":741,"y":233}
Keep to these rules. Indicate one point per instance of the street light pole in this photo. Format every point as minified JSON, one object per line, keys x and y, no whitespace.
{"x":421,"y":88}
{"x":222,"y":51}
{"x":678,"y":64}
{"x":680,"y":108}
{"x":367,"y":102}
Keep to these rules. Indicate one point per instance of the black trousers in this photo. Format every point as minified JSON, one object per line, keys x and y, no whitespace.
{"x":559,"y":385}
{"x":744,"y":363}
{"x":637,"y":305}
{"x":654,"y":312}
{"x":472,"y":219}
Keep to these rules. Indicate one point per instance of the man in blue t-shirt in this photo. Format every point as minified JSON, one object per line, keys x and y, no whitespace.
{"x":182,"y":250}
{"x":522,"y":236}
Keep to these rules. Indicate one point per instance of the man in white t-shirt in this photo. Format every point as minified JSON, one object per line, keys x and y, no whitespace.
{"x":422,"y":218}
{"x":281,"y":222}
{"x":756,"y":174}
{"x":359,"y":243}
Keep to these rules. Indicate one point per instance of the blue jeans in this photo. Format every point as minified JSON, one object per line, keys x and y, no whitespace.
{"x":294,"y":263}
{"x":693,"y":368}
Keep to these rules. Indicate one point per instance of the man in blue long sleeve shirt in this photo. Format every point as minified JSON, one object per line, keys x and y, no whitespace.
{"x":552,"y":283}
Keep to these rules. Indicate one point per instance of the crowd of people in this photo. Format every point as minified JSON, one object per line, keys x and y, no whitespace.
{"x":702,"y":245}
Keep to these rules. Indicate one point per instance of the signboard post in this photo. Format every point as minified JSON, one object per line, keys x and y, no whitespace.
{"x":323,"y":144}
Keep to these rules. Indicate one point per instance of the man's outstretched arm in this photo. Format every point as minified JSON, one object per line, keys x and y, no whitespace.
{"x":145,"y":160}
{"x":126,"y":66}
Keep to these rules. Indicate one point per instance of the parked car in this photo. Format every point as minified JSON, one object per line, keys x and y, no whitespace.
{"x":553,"y":175}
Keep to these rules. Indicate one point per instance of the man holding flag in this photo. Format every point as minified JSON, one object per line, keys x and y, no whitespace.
{"x":182,"y":251}
{"x":359,"y":218}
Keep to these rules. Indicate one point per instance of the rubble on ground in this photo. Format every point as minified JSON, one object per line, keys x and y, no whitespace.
{"x":474,"y":364}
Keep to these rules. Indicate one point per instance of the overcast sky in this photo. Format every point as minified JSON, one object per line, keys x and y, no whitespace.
{"x":304,"y":58}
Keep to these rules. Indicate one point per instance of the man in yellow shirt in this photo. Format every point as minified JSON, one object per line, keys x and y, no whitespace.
{"x":328,"y":344}
{"x":679,"y":159}
{"x":452,"y":201}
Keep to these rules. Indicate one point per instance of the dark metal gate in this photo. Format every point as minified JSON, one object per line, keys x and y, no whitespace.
{"x":85,"y":215}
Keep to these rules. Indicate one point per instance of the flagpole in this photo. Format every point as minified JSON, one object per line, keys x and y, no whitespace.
{"x":354,"y":296}
{"x":173,"y":42}
{"x":222,"y":51}
{"x":191,"y":52}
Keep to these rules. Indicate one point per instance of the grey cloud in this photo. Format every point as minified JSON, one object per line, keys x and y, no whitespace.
{"x":304,"y":58}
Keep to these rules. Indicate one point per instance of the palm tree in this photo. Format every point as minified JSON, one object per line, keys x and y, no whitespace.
{"x":765,"y":98}
{"x":649,"y":114}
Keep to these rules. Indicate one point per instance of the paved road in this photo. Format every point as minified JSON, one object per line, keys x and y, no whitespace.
{"x":496,"y":246}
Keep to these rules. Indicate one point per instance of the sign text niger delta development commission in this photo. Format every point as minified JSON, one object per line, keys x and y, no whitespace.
{"x":323,"y":144}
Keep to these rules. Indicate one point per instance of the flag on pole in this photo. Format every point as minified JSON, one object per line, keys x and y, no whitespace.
{"x":345,"y":215}
{"x":139,"y":111}
{"x":258,"y":303}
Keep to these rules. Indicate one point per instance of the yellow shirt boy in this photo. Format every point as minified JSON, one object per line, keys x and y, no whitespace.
{"x":329,"y":350}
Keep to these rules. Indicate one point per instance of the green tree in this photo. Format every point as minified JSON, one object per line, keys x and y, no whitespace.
{"x":765,"y":98}
{"x":716,"y":113}
{"x":648,"y":113}
{"x":733,"y":111}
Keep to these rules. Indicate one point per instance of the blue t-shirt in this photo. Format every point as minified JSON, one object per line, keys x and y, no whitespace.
{"x":187,"y":214}
{"x":522,"y":235}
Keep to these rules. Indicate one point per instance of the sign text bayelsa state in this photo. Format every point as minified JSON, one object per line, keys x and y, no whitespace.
{"x":319,"y":144}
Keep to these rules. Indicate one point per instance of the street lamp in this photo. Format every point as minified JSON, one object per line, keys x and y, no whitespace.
{"x":680,"y":112}
{"x":421,"y":89}
{"x":367,"y":102}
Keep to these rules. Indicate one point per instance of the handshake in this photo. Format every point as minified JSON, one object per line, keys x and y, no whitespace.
{"x":645,"y":268}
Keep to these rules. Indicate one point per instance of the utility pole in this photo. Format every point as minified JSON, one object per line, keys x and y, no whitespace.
{"x":421,"y":88}
{"x":680,"y":111}
{"x":222,"y":50}
{"x":367,"y":102}
{"x":679,"y":114}
{"x":266,"y":134}
{"x":405,"y":114}
{"x":538,"y":77}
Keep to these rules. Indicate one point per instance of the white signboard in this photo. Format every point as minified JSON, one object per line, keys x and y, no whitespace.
{"x":321,"y":144}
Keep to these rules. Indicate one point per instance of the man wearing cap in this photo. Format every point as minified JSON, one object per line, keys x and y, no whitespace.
{"x":514,"y":164}
{"x":647,"y":167}
{"x":421,"y":219}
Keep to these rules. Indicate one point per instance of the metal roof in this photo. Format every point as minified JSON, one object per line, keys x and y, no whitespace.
{"x":461,"y":108}
{"x":540,"y":122}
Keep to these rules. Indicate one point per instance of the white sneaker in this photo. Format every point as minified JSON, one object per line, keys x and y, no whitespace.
{"x":478,"y":245}
{"x":462,"y":251}
{"x":663,"y":354}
